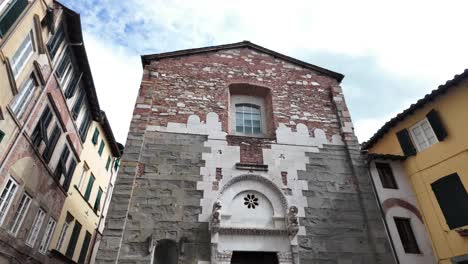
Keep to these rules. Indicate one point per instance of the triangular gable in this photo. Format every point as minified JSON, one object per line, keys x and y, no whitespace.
{"x":145,"y":59}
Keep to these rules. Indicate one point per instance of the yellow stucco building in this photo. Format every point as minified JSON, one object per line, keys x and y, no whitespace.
{"x":431,"y":140}
{"x":81,"y":222}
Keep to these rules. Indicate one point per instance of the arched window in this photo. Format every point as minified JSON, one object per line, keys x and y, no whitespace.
{"x":248,"y":119}
{"x":166,"y":252}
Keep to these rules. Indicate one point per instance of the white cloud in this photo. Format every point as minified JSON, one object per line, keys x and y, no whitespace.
{"x":409,"y":40}
{"x":116,"y":75}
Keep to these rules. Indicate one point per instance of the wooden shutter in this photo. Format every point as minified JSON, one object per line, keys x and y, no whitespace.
{"x":437,"y":125}
{"x":73,"y":239}
{"x":2,"y":135}
{"x":95,"y":136}
{"x":72,"y":86}
{"x":453,"y":200}
{"x":69,"y":175}
{"x":97,"y":203}
{"x":52,"y":142}
{"x":89,"y":188}
{"x":38,"y":30}
{"x":77,"y":106}
{"x":84,"y":248}
{"x":108,"y":163}
{"x":85,"y":126}
{"x":406,"y":143}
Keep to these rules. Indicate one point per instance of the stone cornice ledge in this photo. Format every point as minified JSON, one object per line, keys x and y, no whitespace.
{"x":251,"y":231}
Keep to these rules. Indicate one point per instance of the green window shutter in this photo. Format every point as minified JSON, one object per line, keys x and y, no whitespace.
{"x":95,"y":136}
{"x":97,"y":203}
{"x":108,"y":163}
{"x":406,"y":143}
{"x":84,"y":248}
{"x":10,"y":15}
{"x":453,"y":200}
{"x":437,"y":125}
{"x":2,"y":135}
{"x":101,"y":147}
{"x":73,"y":239}
{"x":89,"y":188}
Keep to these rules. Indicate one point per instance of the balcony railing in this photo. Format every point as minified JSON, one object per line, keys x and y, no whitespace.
{"x":10,"y":15}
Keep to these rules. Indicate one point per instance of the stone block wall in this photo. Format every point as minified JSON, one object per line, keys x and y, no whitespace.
{"x":180,"y":154}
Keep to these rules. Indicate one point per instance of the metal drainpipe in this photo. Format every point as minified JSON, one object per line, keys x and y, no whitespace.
{"x":348,"y":154}
{"x":387,"y":230}
{"x":43,"y":92}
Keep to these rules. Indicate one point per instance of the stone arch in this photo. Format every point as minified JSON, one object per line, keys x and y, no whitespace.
{"x":396,"y":202}
{"x":252,"y":201}
{"x":166,"y":252}
{"x":258,"y":178}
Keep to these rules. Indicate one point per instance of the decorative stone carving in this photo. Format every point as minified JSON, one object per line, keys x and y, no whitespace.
{"x":284,"y":257}
{"x":216,"y":216}
{"x":293,"y":221}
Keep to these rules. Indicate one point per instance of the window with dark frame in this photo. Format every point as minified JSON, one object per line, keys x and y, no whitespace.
{"x":408,"y":240}
{"x":386,"y":175}
{"x":95,"y":136}
{"x":101,"y":147}
{"x":453,"y":200}
{"x":65,"y":168}
{"x":84,"y":248}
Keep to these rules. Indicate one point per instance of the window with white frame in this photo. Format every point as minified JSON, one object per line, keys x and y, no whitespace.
{"x":3,"y":5}
{"x":35,"y":228}
{"x":47,"y":236}
{"x":422,"y":135}
{"x":21,"y":100}
{"x":6,"y":198}
{"x":22,"y":55}
{"x":248,"y":119}
{"x":20,"y":214}
{"x":66,"y":224}
{"x":83,"y":176}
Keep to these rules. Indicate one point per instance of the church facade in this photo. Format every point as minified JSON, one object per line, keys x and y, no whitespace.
{"x":239,"y":154}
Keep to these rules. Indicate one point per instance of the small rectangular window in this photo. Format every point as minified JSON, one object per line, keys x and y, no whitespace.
{"x":422,"y":135}
{"x":101,"y":147}
{"x":35,"y":228}
{"x":6,"y":197}
{"x":108,"y":163}
{"x":51,"y":143}
{"x":20,"y":214}
{"x":68,"y":221}
{"x":22,"y":54}
{"x":73,"y":239}
{"x":406,"y":235}
{"x":21,"y":100}
{"x":453,"y":200}
{"x":97,"y":203}
{"x":95,"y":136}
{"x":386,"y":175}
{"x":89,"y":188}
{"x":84,"y":126}
{"x":40,"y":132}
{"x":47,"y":236}
{"x":84,"y":172}
{"x":84,"y":248}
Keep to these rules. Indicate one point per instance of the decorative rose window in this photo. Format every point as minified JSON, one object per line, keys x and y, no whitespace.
{"x":251,"y":201}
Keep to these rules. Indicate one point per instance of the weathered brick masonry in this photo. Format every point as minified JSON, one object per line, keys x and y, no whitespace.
{"x":181,"y":156}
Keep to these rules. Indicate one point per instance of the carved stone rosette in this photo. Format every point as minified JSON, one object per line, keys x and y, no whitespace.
{"x":293,"y":221}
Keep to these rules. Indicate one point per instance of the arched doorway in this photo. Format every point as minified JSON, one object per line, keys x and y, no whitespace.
{"x":250,"y":223}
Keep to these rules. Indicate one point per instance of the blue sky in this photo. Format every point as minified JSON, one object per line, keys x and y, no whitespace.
{"x":392,"y":52}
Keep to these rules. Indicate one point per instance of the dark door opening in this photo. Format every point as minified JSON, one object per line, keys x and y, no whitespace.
{"x":253,"y":257}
